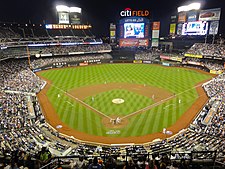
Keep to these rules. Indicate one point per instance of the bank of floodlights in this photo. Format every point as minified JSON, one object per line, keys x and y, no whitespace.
{"x":192,"y":6}
{"x":64,"y":8}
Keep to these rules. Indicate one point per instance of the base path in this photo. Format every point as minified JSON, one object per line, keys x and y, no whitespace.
{"x":183,"y":122}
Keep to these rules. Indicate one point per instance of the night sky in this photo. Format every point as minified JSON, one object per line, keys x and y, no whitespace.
{"x":99,"y":13}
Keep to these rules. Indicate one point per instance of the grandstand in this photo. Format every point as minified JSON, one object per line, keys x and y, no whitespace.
{"x":25,"y":132}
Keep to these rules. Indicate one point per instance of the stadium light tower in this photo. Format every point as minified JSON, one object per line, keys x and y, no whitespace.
{"x":75,"y":9}
{"x":62,"y":8}
{"x":192,"y":6}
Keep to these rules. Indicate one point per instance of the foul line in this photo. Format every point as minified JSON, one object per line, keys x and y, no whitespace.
{"x":132,"y":114}
{"x":158,"y":103}
{"x":90,"y":107}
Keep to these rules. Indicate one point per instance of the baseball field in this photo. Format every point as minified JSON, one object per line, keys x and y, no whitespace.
{"x":114,"y":103}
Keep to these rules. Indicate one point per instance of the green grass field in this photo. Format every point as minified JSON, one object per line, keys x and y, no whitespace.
{"x":175,"y":80}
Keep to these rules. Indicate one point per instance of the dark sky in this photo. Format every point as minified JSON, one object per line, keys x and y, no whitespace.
{"x":99,"y":13}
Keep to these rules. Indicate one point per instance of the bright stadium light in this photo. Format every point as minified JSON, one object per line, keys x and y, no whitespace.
{"x":75,"y":9}
{"x":192,"y":6}
{"x":182,"y":8}
{"x":62,"y":8}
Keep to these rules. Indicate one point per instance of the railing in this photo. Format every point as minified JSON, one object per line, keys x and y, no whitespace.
{"x":205,"y":158}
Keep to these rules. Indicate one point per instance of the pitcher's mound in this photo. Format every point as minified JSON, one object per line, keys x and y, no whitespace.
{"x":118,"y":101}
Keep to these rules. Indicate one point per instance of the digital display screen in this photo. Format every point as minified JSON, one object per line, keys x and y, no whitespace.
{"x":195,"y":28}
{"x":134,"y":30}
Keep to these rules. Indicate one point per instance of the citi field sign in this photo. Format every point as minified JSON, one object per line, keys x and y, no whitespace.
{"x":128,"y":12}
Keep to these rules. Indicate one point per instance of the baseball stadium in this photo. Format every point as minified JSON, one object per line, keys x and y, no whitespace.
{"x":135,"y":99}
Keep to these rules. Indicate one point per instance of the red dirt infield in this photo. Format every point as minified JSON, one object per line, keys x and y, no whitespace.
{"x":53,"y":119}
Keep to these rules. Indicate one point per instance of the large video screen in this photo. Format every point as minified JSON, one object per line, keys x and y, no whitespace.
{"x":134,"y":30}
{"x":195,"y":28}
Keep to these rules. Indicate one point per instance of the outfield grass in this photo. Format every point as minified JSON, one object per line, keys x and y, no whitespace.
{"x":175,"y":80}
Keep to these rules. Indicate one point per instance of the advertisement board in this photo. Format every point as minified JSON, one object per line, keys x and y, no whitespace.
{"x":112,"y":34}
{"x":155,"y":25}
{"x":210,"y":14}
{"x":75,"y":18}
{"x":181,"y":17}
{"x":179,"y":59}
{"x":192,"y":16}
{"x":214,"y":26}
{"x":179,"y":29}
{"x":164,"y":57}
{"x":172,"y":29}
{"x":193,"y":55}
{"x":155,"y":34}
{"x":217,"y":72}
{"x":195,"y":28}
{"x":133,"y":42}
{"x":137,"y":61}
{"x":155,"y":42}
{"x":173,"y":19}
{"x":195,"y":63}
{"x":83,"y":64}
{"x":63,"y":17}
{"x":66,"y":26}
{"x":165,"y":64}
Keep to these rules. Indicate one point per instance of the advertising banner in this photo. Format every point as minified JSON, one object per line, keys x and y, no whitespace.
{"x":217,"y":72}
{"x":172,"y":29}
{"x":75,"y":18}
{"x":67,"y":26}
{"x":179,"y":28}
{"x":83,"y":64}
{"x":182,"y":17}
{"x":210,"y":14}
{"x":214,"y":26}
{"x":193,"y":55}
{"x":155,"y":42}
{"x":156,"y":26}
{"x":133,"y":42}
{"x":179,"y":59}
{"x":165,"y":64}
{"x":112,"y":34}
{"x":191,"y":16}
{"x":147,"y":61}
{"x":137,"y":61}
{"x":173,"y":19}
{"x":164,"y":57}
{"x":155,"y":34}
{"x":195,"y":28}
{"x":194,"y":63}
{"x":63,"y":17}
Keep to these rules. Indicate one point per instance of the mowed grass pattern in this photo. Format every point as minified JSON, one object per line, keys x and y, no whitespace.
{"x":176,"y":80}
{"x":103,"y":102}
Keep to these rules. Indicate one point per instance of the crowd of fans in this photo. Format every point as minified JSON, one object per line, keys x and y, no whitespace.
{"x":7,"y":33}
{"x":37,"y":63}
{"x":205,"y":49}
{"x":77,"y":48}
{"x":21,"y":52}
{"x":209,"y":64}
{"x":16,"y":76}
{"x":147,"y":55}
{"x":23,"y":134}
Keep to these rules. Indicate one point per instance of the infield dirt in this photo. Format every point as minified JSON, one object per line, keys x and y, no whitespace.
{"x":53,"y":119}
